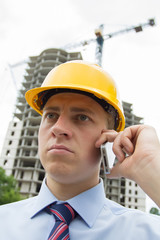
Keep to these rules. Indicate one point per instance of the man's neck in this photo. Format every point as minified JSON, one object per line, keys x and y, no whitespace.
{"x":64,"y":191}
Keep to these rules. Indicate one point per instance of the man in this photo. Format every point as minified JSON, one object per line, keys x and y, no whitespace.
{"x":81,"y":110}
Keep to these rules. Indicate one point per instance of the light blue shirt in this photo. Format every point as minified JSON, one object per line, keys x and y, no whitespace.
{"x":99,"y":218}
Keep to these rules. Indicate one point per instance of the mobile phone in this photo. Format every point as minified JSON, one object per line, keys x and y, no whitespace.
{"x":107,"y":156}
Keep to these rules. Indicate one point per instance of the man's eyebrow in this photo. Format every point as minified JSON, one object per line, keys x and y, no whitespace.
{"x":83,"y":110}
{"x":51,"y":109}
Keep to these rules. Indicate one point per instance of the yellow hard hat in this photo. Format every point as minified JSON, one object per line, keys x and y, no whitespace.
{"x":82,"y":77}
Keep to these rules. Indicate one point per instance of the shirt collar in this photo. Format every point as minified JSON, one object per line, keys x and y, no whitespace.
{"x":87,"y":204}
{"x":44,"y":198}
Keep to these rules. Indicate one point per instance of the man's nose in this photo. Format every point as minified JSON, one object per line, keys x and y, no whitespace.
{"x":62,"y":127}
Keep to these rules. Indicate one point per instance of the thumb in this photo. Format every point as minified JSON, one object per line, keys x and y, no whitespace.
{"x":115,"y":172}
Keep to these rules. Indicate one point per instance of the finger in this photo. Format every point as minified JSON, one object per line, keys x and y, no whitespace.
{"x":106,"y":136}
{"x":118,"y":148}
{"x":123,"y":145}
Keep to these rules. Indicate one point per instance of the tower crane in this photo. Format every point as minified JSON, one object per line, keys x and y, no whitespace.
{"x":100,"y":38}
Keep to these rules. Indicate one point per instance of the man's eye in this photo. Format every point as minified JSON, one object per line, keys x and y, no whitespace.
{"x":83,"y":118}
{"x":52,"y":115}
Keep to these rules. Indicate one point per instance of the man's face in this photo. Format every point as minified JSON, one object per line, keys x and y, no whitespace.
{"x":70,"y":126}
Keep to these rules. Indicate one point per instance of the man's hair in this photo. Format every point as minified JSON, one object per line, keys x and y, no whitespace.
{"x":110,"y":121}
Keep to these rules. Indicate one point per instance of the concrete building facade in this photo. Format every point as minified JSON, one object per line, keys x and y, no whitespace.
{"x":20,"y":151}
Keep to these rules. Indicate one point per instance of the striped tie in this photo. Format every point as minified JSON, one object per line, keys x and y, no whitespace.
{"x":63,"y":214}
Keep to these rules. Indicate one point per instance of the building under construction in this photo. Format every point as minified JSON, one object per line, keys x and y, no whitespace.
{"x":19,"y":155}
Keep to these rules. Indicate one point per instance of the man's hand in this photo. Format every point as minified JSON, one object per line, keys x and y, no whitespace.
{"x":137,"y":149}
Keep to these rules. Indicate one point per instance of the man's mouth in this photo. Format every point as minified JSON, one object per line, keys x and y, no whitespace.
{"x":59,"y":149}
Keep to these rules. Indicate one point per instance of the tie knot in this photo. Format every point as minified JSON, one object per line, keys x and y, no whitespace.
{"x":62,"y":212}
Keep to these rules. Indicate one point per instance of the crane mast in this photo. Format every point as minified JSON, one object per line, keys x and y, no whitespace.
{"x":99,"y":45}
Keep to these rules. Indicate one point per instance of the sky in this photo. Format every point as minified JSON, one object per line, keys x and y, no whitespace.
{"x":28,"y":27}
